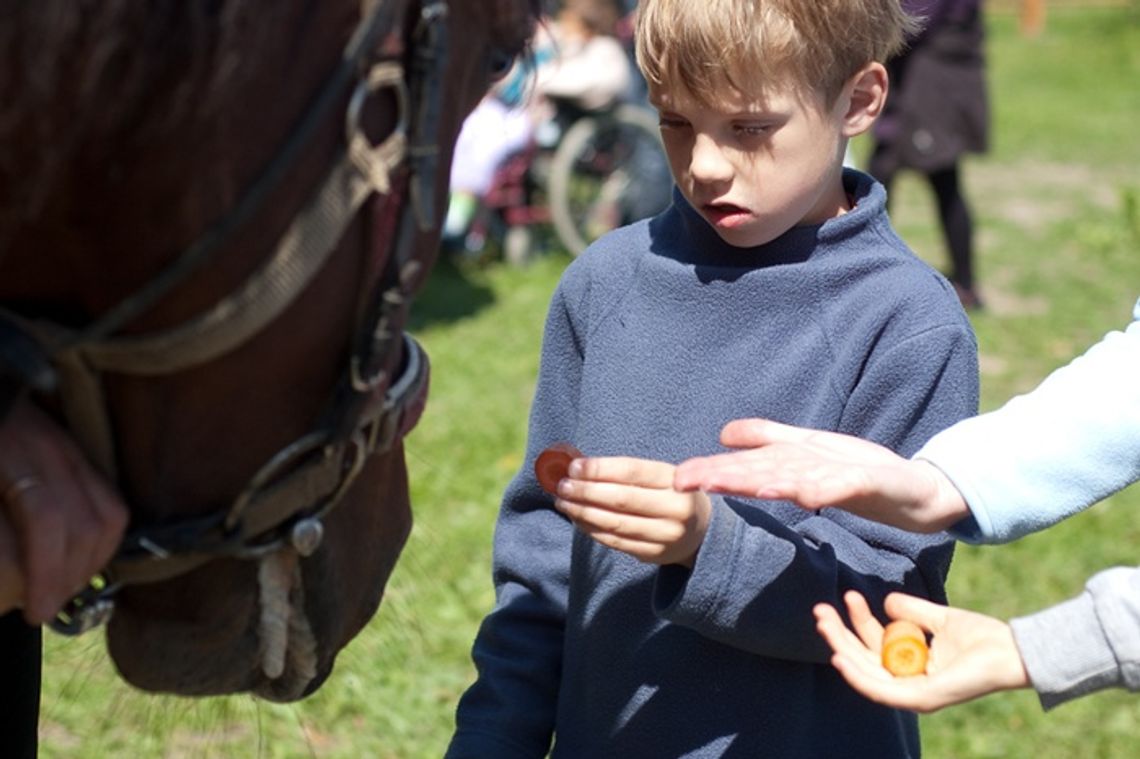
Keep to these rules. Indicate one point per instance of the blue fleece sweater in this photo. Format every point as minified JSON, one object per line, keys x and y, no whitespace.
{"x":656,"y":336}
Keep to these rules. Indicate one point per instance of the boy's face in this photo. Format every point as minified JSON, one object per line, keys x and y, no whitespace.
{"x":755,"y":168}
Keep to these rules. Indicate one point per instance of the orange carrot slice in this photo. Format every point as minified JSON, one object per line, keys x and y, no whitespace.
{"x":552,"y":465}
{"x":904,"y":649}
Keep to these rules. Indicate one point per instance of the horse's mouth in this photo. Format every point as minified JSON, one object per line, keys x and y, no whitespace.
{"x":291,"y":686}
{"x":161,"y":645}
{"x":160,"y":658}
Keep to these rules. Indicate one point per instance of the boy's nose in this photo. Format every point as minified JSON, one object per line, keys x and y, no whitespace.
{"x":708,"y":163}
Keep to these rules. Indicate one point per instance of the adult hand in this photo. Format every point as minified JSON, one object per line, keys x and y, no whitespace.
{"x":814,"y":469}
{"x":971,"y":654}
{"x":60,"y":521}
{"x":630,"y":505}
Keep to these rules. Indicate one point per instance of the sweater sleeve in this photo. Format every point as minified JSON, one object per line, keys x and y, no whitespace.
{"x":761,"y":567}
{"x":1085,"y":644}
{"x":1055,"y":451}
{"x":509,"y":711}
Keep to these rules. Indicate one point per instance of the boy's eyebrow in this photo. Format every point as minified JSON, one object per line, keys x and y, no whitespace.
{"x":757,"y":112}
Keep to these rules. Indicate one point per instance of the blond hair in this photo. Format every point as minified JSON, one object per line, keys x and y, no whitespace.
{"x":703,"y":46}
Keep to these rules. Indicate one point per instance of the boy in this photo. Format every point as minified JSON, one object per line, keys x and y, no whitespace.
{"x":636,"y":621}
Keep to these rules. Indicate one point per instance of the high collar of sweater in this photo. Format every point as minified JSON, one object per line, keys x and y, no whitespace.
{"x":683,"y":234}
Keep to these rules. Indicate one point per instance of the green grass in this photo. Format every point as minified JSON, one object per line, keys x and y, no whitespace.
{"x":1056,"y":203}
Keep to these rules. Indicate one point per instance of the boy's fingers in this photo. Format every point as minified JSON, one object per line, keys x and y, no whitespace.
{"x":624,"y":470}
{"x":637,"y":548}
{"x":622,"y":524}
{"x":648,"y":502}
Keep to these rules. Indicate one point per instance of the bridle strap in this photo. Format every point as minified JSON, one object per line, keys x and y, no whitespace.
{"x":300,"y":254}
{"x":278,"y":492}
{"x":382,"y":17}
{"x":284,"y":502}
{"x":302,"y":251}
{"x":304,"y":248}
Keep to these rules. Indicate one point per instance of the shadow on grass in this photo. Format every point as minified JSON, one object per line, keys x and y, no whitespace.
{"x":449,"y":295}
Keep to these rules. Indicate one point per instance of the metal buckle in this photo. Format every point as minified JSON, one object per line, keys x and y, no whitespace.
{"x":87,"y":609}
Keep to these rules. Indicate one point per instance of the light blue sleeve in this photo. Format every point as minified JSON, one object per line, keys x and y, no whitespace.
{"x":1052,"y":452}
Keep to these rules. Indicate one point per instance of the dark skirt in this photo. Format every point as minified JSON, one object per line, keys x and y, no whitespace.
{"x":937,"y":108}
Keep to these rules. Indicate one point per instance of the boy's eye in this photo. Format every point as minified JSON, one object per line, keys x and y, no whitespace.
{"x":752,"y":130}
{"x":666,"y":122}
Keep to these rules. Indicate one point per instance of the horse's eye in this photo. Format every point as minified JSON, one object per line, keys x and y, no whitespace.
{"x":499,"y":64}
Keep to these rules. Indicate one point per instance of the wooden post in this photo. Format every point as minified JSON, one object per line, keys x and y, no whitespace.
{"x":1032,"y":17}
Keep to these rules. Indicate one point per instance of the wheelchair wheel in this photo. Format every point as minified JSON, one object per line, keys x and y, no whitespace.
{"x":608,"y":170}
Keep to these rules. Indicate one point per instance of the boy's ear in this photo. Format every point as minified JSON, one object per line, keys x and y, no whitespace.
{"x":864,"y":96}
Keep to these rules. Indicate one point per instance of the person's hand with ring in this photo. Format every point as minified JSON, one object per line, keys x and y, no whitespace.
{"x":60,"y":521}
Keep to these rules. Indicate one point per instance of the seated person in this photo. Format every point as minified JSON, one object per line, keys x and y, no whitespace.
{"x":576,"y":58}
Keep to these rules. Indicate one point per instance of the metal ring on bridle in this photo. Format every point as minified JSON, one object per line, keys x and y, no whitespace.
{"x":379,"y":77}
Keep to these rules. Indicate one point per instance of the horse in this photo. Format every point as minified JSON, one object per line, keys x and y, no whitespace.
{"x":214,"y":216}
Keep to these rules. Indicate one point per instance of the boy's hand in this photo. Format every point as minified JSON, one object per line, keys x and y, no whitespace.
{"x":813,"y":469}
{"x":971,"y":654}
{"x":630,"y":505}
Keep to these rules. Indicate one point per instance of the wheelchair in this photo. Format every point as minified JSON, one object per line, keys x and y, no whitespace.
{"x":582,"y":174}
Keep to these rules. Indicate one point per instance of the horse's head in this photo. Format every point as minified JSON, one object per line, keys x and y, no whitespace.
{"x":213,"y":216}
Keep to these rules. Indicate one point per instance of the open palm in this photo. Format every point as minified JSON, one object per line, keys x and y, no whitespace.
{"x":971,"y":654}
{"x":814,"y":469}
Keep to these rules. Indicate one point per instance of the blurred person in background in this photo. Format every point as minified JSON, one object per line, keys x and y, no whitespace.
{"x":577,"y":58}
{"x":937,"y":111}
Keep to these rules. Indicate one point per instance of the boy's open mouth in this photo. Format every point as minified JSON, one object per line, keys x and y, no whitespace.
{"x":726,"y":215}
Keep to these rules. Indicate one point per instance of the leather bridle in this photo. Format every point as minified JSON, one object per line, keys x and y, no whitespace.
{"x":381,"y":392}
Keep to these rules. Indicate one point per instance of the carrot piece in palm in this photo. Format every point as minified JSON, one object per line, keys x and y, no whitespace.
{"x":552,"y":465}
{"x":904,"y":649}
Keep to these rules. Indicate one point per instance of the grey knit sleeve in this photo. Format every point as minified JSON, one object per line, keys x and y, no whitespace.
{"x":1086,"y":644}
